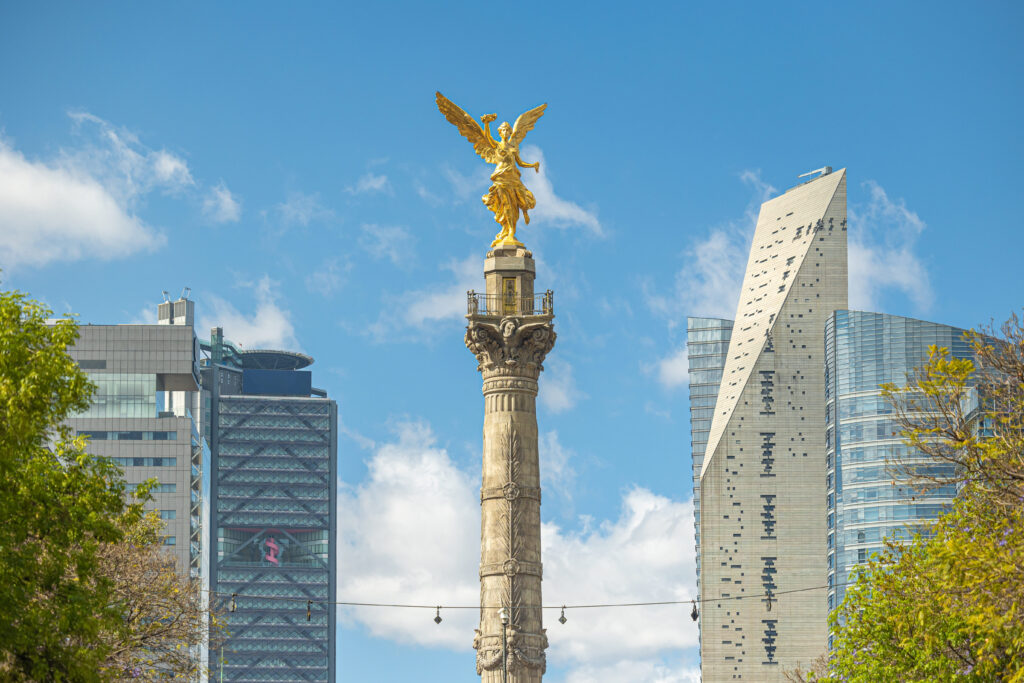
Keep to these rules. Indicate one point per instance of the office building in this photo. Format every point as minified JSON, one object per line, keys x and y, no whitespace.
{"x":762,"y":502}
{"x":867,"y":498}
{"x":144,"y":417}
{"x":273,"y":438}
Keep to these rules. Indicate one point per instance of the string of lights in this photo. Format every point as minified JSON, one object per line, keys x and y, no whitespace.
{"x":694,"y":602}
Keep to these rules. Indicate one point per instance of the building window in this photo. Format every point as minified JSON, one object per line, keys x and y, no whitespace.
{"x":146,"y":462}
{"x":129,"y":436}
{"x":168,"y":514}
{"x":170,"y":540}
{"x":159,"y":488}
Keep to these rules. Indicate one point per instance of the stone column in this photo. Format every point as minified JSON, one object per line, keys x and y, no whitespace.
{"x":510,"y":331}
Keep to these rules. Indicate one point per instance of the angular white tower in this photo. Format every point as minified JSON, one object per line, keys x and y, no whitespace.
{"x":762,"y":481}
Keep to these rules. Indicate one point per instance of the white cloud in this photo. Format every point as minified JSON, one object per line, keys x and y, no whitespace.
{"x":426,"y":195}
{"x":125,"y":166}
{"x":171,"y":171}
{"x":709,"y":282}
{"x":147,"y":315}
{"x":469,"y":186}
{"x":882,"y":241}
{"x":269,"y":326}
{"x":674,"y":370}
{"x":645,"y":555}
{"x":556,"y":470}
{"x":416,"y":310}
{"x":387,"y":241}
{"x":220,"y":206}
{"x":639,"y":671}
{"x":558,"y":390}
{"x":63,"y":211}
{"x":299,"y":209}
{"x":552,"y":209}
{"x":370,"y":183}
{"x":328,"y":278}
{"x":392,"y":552}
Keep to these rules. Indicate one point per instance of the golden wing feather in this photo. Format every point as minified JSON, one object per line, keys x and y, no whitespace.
{"x":525,"y":123}
{"x":468,"y":126}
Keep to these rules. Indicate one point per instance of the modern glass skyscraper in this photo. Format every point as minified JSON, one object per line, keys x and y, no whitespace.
{"x":273,"y":491}
{"x":866,"y":500}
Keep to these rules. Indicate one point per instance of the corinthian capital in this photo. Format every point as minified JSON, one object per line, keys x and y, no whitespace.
{"x":511,"y":343}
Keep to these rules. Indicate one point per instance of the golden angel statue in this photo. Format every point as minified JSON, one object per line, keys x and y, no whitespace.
{"x":507,"y":196}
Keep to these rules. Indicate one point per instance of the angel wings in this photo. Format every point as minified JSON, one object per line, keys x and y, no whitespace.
{"x":507,"y":195}
{"x":481,"y":138}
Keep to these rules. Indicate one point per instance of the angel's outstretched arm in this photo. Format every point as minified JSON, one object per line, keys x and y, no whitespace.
{"x":522,"y":164}
{"x":487,"y":128}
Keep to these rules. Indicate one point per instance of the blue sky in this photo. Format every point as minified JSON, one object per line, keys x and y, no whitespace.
{"x":289,"y":165}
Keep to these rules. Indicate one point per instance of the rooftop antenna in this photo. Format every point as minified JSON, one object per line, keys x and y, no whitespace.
{"x":185,"y":293}
{"x":167,"y":297}
{"x":824,"y":170}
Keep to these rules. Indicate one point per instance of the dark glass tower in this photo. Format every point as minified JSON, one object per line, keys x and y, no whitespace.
{"x":274,"y":443}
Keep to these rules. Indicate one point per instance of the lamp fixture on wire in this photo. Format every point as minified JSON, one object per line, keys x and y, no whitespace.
{"x":234,"y":605}
{"x":437,"y":615}
{"x":562,"y":619}
{"x":309,"y":613}
{"x":694,"y":613}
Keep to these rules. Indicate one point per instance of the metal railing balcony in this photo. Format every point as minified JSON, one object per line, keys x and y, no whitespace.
{"x":500,"y":305}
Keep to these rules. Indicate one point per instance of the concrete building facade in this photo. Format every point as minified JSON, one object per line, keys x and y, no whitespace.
{"x":762,"y":508}
{"x":144,"y":416}
{"x":707,"y":348}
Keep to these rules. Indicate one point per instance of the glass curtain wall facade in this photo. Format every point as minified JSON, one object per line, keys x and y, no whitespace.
{"x":273,"y":512}
{"x":707,"y":347}
{"x":865,"y":498}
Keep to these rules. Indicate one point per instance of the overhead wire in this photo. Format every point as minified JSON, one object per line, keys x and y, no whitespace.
{"x":771,"y":595}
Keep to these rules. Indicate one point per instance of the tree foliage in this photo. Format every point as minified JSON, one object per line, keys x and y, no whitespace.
{"x":58,"y":504}
{"x":164,"y":615}
{"x":87,"y":593}
{"x":948,"y":605}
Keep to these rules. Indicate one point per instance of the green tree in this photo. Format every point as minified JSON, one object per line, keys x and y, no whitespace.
{"x":88,"y":592}
{"x":58,"y":504}
{"x":948,"y":605}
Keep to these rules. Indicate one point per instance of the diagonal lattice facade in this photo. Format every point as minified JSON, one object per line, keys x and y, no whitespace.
{"x":273,"y":498}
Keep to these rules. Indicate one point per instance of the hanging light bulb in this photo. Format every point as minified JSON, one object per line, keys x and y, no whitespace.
{"x":562,"y":619}
{"x":769,"y":596}
{"x":693,"y":612}
{"x":234,"y":605}
{"x":437,"y":615}
{"x":309,"y":613}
